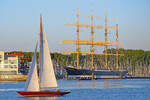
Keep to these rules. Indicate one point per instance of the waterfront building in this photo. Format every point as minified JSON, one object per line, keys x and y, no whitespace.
{"x":8,"y":64}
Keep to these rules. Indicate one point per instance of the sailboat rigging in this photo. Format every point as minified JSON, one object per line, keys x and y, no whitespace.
{"x":46,"y":77}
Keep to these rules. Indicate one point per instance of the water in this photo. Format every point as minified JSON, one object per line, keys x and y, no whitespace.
{"x":137,"y":89}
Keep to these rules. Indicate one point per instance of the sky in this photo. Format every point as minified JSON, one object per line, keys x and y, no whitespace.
{"x":20,"y":20}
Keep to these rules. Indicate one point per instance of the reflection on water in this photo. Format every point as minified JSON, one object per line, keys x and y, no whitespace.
{"x":106,"y":84}
{"x":93,"y":84}
{"x":78,"y":84}
{"x":42,"y":98}
{"x":100,"y":84}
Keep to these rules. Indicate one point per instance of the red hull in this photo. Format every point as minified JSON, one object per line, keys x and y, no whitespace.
{"x":42,"y":93}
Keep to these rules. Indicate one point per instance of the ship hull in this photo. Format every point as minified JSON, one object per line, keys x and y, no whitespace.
{"x":42,"y":93}
{"x":98,"y":73}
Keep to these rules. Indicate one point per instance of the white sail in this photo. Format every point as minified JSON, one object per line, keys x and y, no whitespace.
{"x":47,"y":75}
{"x":32,"y":83}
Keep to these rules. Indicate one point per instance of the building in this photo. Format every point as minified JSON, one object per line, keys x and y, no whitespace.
{"x":8,"y":64}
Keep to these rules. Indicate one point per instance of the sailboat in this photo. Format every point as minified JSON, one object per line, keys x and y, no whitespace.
{"x":44,"y":77}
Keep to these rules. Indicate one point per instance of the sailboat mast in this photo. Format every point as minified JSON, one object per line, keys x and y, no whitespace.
{"x":40,"y":46}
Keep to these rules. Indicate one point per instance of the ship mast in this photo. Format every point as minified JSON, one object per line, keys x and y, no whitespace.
{"x":106,"y":63}
{"x":117,"y":60}
{"x":92,"y":48}
{"x":77,"y":38}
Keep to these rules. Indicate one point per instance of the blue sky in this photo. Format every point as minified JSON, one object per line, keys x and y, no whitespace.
{"x":19,"y":22}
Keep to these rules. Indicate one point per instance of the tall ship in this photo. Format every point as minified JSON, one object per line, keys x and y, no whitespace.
{"x":91,"y":70}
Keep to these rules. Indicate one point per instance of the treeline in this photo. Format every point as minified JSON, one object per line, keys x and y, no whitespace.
{"x":137,"y":62}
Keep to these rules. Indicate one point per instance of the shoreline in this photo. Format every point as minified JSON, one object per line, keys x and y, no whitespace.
{"x":9,"y":78}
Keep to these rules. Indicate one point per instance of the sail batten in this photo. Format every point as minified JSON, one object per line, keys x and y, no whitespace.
{"x":47,"y":75}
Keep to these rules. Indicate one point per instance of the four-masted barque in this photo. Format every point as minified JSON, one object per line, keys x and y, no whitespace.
{"x":77,"y":71}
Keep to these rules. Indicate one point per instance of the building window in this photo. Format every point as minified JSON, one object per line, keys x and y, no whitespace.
{"x":6,"y":61}
{"x":12,"y":61}
{"x":15,"y":66}
{"x":6,"y":66}
{"x":8,"y":72}
{"x":15,"y":61}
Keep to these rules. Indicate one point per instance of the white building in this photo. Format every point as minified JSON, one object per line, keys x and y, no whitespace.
{"x":8,"y":64}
